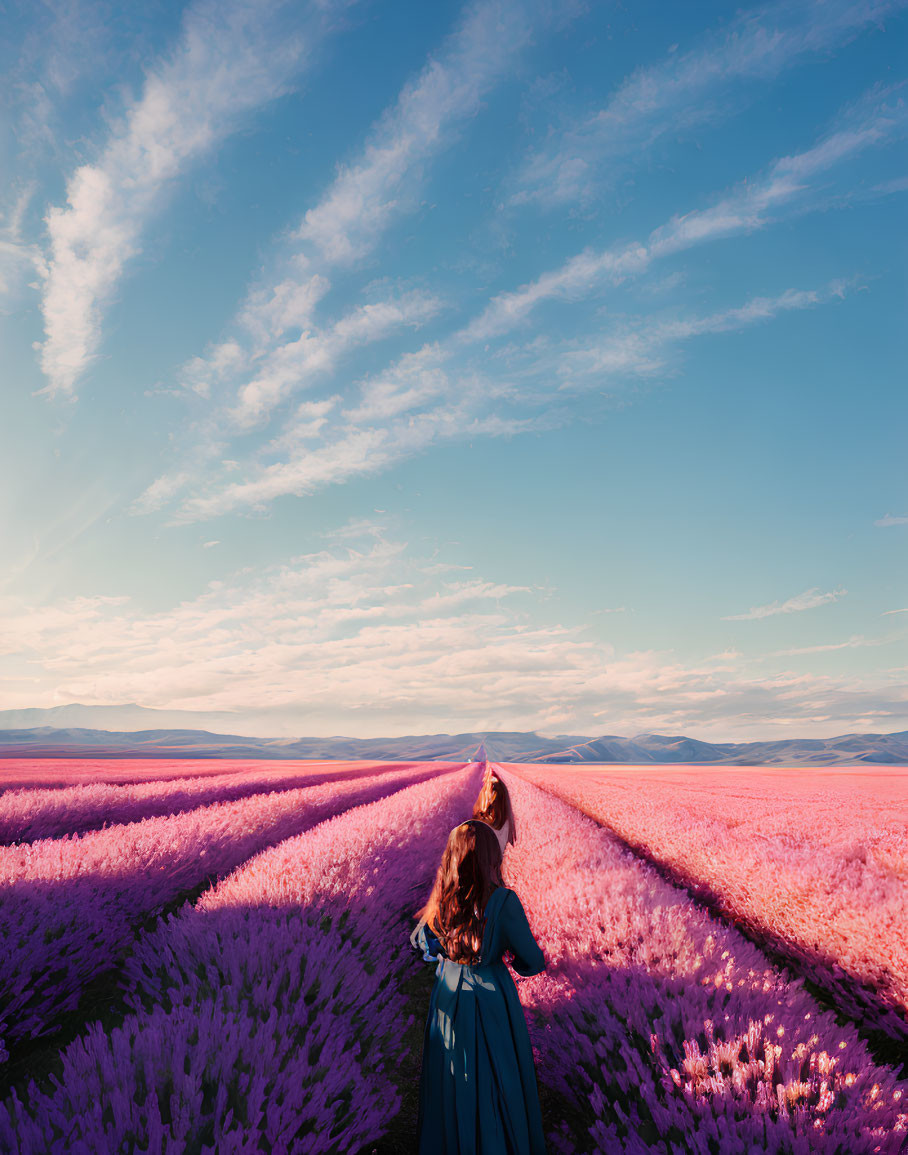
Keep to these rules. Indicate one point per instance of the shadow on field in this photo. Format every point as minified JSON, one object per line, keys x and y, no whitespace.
{"x":887,"y":1047}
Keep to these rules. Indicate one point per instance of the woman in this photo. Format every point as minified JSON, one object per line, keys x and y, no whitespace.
{"x":494,"y":806}
{"x":477,"y":1094}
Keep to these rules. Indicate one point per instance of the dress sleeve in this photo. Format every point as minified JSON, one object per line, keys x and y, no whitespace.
{"x":427,"y":943}
{"x":518,"y":938}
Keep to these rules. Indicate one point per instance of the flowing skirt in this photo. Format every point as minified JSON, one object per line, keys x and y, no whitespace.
{"x":477,"y":1093}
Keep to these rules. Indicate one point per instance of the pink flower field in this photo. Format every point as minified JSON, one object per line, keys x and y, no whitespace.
{"x":213,"y":957}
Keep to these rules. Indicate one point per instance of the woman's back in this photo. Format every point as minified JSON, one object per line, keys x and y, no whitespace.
{"x":478,"y":1091}
{"x":506,"y":930}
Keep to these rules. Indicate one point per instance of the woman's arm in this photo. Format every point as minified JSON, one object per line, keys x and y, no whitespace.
{"x":414,"y":937}
{"x":518,"y":938}
{"x":427,"y":943}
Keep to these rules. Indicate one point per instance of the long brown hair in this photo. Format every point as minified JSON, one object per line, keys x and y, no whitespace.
{"x":494,"y":805}
{"x":470,"y":870}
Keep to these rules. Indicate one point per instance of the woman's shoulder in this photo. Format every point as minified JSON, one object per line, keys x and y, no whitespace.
{"x":503,"y":894}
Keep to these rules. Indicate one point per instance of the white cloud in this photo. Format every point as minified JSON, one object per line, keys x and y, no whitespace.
{"x":892,"y":519}
{"x":686,"y":89}
{"x":419,"y":403}
{"x":353,"y":452}
{"x":808,"y":600}
{"x":288,"y":368}
{"x":417,"y":379}
{"x":230,"y":59}
{"x":293,"y":365}
{"x":262,"y":361}
{"x":640,"y":349}
{"x":876,"y":118}
{"x":367,"y":637}
{"x":386,"y":180}
{"x":886,"y":612}
{"x":856,"y":642}
{"x":437,"y":392}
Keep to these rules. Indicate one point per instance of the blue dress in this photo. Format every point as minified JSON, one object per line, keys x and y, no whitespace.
{"x":477,"y":1094}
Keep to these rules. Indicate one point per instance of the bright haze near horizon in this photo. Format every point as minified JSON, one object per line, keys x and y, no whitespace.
{"x":402,"y":368}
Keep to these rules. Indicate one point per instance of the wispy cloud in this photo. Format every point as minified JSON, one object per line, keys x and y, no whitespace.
{"x":686,"y":89}
{"x":260,"y":364}
{"x":18,"y":255}
{"x":421,"y":402}
{"x":294,"y":364}
{"x":452,"y":388}
{"x":384,"y":183}
{"x":636,"y":347}
{"x":854,"y":643}
{"x":892,"y":519}
{"x":808,"y":600}
{"x":387,"y":179}
{"x":367,"y":635}
{"x":640,"y":348}
{"x":230,"y":59}
{"x":348,"y":452}
{"x":878,"y":117}
{"x":887,"y":612}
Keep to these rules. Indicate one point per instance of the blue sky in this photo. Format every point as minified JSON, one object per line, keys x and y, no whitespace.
{"x":392,"y":368}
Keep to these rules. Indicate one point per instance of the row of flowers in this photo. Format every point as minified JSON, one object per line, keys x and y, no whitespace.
{"x":815,"y":864}
{"x":27,"y":815}
{"x":664,"y":1028}
{"x":69,"y":907}
{"x":268,"y":1016}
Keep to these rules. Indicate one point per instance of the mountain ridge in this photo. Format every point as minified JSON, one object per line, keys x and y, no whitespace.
{"x":502,"y":746}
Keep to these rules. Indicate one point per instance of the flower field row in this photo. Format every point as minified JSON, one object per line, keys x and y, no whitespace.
{"x":27,"y":815}
{"x":62,"y":773}
{"x":665,"y":1028}
{"x":69,"y":907}
{"x":267,"y":1017}
{"x":815,"y":864}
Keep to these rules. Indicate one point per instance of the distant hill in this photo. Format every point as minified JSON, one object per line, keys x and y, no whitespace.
{"x":80,"y":742}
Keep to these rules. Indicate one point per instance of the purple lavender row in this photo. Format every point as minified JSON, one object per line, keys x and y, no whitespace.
{"x":667,"y":1027}
{"x":68,"y":907}
{"x":28,"y":815}
{"x":268,"y":1017}
{"x":799,"y":866}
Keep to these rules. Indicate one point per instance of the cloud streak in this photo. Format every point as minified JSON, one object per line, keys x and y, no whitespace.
{"x":877,"y":118}
{"x":230,"y":59}
{"x":640,"y":350}
{"x":367,"y":635}
{"x":422,"y":401}
{"x":276,"y":348}
{"x":809,"y":600}
{"x":449,"y":388}
{"x":385,"y":181}
{"x":688,"y":89}
{"x":857,"y":642}
{"x":382,"y":185}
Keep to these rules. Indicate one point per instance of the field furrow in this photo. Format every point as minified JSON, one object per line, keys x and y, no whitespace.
{"x":666,"y":1030}
{"x":269,"y":1016}
{"x":69,"y":907}
{"x":811,"y":865}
